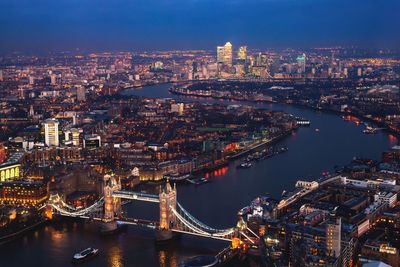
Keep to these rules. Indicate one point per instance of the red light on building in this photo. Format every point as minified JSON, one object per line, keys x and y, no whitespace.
{"x":3,"y":153}
{"x":231,"y":147}
{"x":392,"y":138}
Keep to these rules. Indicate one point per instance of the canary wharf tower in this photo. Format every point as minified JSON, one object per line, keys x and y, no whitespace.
{"x":224,"y":54}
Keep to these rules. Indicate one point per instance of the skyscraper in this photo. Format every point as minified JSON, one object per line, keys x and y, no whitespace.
{"x":51,"y":132}
{"x":301,"y":62}
{"x":220,"y":54}
{"x":224,"y":54}
{"x":242,"y":53}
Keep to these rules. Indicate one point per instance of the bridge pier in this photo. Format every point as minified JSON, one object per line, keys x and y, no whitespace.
{"x":112,"y":205}
{"x":167,"y":198}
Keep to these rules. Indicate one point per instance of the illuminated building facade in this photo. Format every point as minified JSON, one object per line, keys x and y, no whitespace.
{"x":224,"y":54}
{"x":23,"y":192}
{"x":9,"y":172}
{"x":333,"y":237}
{"x":73,"y":136}
{"x":167,"y":201}
{"x":112,"y":205}
{"x":92,"y":141}
{"x":51,"y":137}
{"x":242,"y":53}
{"x":178,"y":108}
{"x":301,"y":62}
{"x":3,"y":153}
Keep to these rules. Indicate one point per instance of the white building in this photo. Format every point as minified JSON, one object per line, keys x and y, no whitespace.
{"x":51,"y":137}
{"x":73,"y":136}
{"x":385,"y":197}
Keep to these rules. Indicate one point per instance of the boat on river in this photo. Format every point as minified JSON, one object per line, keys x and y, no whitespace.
{"x":370,"y":130}
{"x":244,"y":165}
{"x":85,"y":255}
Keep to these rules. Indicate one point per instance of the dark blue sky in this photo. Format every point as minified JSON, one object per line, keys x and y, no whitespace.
{"x":40,"y":25}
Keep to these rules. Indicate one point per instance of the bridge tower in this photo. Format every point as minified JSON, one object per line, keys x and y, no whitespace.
{"x":167,"y":217}
{"x":112,"y":205}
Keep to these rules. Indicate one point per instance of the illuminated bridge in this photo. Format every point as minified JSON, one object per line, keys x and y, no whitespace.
{"x":173,"y":217}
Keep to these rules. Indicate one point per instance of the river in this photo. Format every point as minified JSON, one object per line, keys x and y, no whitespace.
{"x":310,"y":153}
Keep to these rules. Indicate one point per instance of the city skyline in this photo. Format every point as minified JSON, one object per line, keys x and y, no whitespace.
{"x":177,"y":24}
{"x":225,"y":133}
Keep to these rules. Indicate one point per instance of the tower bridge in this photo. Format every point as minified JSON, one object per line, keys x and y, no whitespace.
{"x":173,"y":217}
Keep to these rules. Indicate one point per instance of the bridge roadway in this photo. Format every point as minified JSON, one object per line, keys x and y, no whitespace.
{"x":136,"y":196}
{"x":139,"y":222}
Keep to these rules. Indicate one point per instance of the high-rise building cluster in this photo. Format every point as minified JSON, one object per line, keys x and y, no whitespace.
{"x":224,"y":54}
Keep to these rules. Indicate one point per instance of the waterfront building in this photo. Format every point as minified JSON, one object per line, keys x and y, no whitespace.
{"x":51,"y":135}
{"x":23,"y":192}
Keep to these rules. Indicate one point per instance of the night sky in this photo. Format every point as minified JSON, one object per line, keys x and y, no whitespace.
{"x":44,"y":25}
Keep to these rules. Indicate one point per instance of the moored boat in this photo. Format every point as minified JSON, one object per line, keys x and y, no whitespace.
{"x":245,"y":165}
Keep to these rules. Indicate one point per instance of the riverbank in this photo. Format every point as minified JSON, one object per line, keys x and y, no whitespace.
{"x":10,"y":237}
{"x":388,"y":128}
{"x":271,"y":141}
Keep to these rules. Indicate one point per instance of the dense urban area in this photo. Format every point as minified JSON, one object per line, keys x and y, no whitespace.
{"x":75,"y":144}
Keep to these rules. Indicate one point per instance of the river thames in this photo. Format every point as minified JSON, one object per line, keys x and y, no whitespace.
{"x":310,"y":153}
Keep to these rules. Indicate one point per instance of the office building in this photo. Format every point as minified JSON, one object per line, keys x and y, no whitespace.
{"x":301,"y":62}
{"x":92,"y":141}
{"x":51,"y":137}
{"x":73,"y":136}
{"x":224,"y":54}
{"x":242,"y":53}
